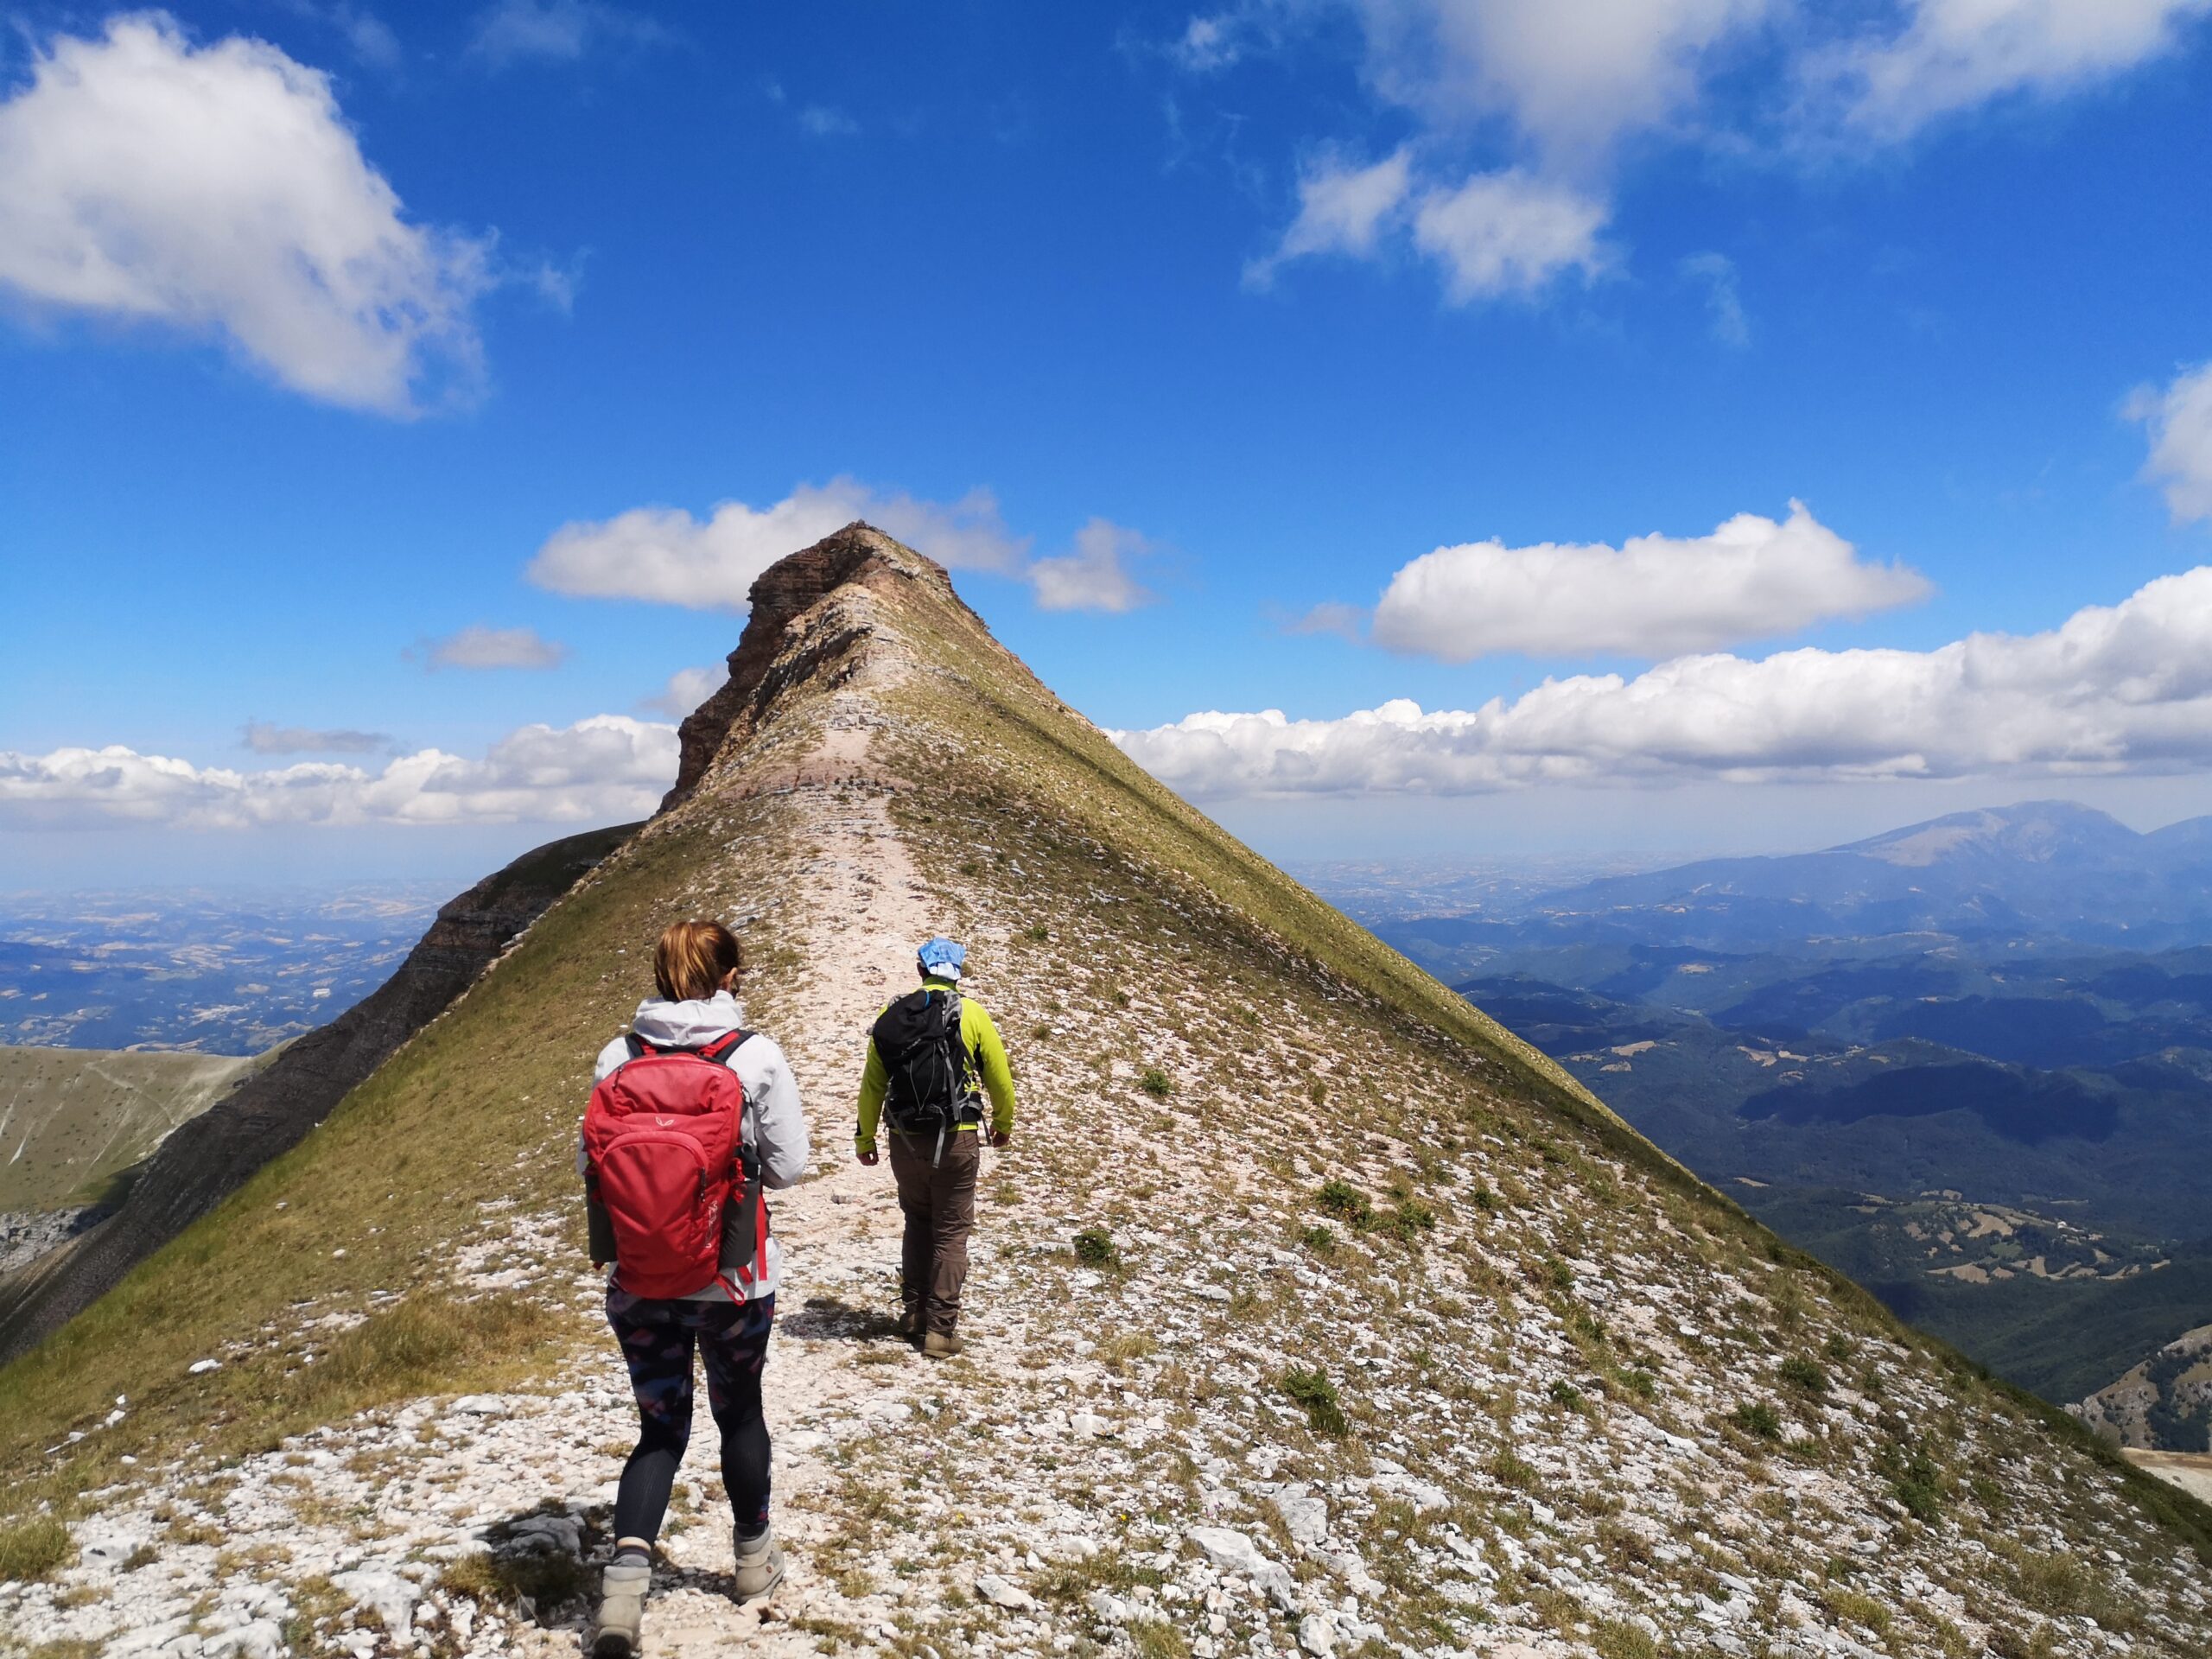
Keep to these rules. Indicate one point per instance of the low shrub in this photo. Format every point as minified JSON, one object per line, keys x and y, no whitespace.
{"x":1801,"y":1373}
{"x":1340,"y":1197}
{"x":1757,"y":1419}
{"x":1322,"y":1241}
{"x":1156,"y":1083}
{"x":1410,"y":1221}
{"x":1314,"y":1390}
{"x":1094,"y":1248}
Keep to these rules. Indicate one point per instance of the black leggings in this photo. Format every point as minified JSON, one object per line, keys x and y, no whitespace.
{"x":658,"y":1338}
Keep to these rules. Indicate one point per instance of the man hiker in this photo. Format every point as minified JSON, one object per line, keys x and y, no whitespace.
{"x":692,"y":1117}
{"x":932,"y":1056}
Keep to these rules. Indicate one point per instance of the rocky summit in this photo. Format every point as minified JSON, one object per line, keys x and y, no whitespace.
{"x":1313,"y":1312}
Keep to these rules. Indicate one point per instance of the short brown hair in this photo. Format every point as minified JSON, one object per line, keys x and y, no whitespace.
{"x":692,"y":959}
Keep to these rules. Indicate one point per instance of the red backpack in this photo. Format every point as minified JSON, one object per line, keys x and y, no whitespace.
{"x":663,"y":1134}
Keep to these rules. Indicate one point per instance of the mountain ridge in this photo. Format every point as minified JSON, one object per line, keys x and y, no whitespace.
{"x":1398,"y":1339}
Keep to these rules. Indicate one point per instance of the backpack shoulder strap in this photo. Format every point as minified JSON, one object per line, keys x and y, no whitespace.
{"x":723,"y":1050}
{"x":637,"y":1045}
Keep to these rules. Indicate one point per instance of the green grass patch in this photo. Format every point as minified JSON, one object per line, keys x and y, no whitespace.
{"x":35,"y":1548}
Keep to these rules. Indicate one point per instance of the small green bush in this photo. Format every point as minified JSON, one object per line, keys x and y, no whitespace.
{"x":1340,"y":1197}
{"x":1565,"y":1394}
{"x":1156,"y":1083}
{"x":1410,"y":1221}
{"x":1094,"y":1248}
{"x":1484,"y":1198}
{"x":1317,"y":1092}
{"x":1322,"y":1241}
{"x":1758,"y":1419}
{"x":1037,"y":933}
{"x":1801,"y":1373}
{"x":1314,"y":1390}
{"x":32,"y":1549}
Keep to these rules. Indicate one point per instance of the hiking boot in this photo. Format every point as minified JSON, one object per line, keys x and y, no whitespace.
{"x":910,"y":1325}
{"x":622,"y":1586}
{"x":759,"y":1566}
{"x":941,"y":1344}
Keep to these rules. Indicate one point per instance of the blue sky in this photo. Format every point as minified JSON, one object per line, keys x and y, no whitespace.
{"x":322,"y":320}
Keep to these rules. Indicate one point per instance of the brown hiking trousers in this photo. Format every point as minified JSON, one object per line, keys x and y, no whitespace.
{"x":940,"y":1206}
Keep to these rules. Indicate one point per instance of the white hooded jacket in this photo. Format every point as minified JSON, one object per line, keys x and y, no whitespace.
{"x":775,"y":1121}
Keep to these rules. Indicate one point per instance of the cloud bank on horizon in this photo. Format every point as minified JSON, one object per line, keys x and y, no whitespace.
{"x":2115,"y":689}
{"x":607,"y":769}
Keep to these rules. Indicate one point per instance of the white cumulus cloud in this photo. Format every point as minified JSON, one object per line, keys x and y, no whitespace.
{"x":1095,"y":575}
{"x":1572,"y":78}
{"x":2180,"y":422}
{"x":666,"y":556}
{"x":218,"y":190}
{"x":602,"y":770}
{"x":1953,"y":55}
{"x":478,"y":647}
{"x":2115,"y":688}
{"x":1652,"y":596}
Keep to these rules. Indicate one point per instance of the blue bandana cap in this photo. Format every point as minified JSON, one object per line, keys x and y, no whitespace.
{"x":943,"y":958}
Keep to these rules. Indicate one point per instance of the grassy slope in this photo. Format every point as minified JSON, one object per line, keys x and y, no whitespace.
{"x":73,"y":1119}
{"x":478,"y":1107}
{"x":473,"y":1111}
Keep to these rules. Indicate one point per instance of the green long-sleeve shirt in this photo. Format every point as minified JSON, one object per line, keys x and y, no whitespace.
{"x":987,"y":1063}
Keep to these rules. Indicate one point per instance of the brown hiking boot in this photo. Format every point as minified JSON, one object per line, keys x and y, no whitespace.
{"x":941,"y":1344}
{"x":910,"y":1325}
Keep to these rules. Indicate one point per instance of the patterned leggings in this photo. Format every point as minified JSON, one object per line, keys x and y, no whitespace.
{"x":658,"y":1338}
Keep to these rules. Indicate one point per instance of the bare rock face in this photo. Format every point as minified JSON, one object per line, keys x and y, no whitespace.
{"x":783,"y":593}
{"x":270,"y":1112}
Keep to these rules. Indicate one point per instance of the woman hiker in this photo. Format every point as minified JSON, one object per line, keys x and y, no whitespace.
{"x":691,"y":1118}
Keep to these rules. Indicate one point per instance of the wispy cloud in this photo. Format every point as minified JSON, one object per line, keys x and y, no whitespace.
{"x":478,"y":647}
{"x":265,"y":737}
{"x":557,"y":31}
{"x":820,"y":121}
{"x":1724,"y":300}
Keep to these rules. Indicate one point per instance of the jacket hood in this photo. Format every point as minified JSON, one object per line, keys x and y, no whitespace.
{"x":687,"y":1024}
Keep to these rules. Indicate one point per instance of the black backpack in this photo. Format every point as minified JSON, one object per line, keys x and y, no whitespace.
{"x":926,"y":1064}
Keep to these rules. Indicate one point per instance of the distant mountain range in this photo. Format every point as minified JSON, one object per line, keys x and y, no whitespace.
{"x":1998,"y":1024}
{"x":2043,"y":870}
